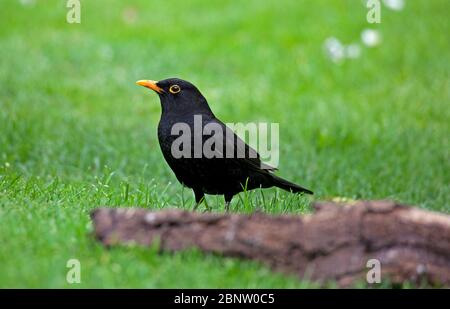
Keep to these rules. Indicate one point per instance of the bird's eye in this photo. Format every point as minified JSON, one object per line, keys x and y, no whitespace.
{"x":174,"y":89}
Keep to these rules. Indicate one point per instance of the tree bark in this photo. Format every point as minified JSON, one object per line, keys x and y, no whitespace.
{"x":334,"y":243}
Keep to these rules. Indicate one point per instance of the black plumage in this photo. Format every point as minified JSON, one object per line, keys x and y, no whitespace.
{"x":181,"y":102}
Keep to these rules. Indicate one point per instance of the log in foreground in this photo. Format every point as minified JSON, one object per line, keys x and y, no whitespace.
{"x":334,"y":243}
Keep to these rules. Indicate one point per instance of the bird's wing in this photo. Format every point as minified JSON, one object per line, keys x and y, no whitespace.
{"x":249,"y":156}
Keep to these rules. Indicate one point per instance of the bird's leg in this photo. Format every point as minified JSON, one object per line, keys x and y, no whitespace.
{"x":196,"y":206}
{"x":227,"y":206}
{"x":228,"y":198}
{"x":199,"y":198}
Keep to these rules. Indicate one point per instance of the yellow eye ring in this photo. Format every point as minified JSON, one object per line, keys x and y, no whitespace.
{"x":174,"y":89}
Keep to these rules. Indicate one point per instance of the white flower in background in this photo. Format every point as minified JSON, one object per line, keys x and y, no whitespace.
{"x":334,"y":49}
{"x":338,"y":52}
{"x":352,"y":51}
{"x":396,"y":5}
{"x":370,"y":37}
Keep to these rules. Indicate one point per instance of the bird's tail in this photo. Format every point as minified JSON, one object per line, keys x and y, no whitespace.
{"x":289,"y":186}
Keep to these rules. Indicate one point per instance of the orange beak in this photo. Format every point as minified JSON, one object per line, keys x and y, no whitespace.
{"x":151,"y":84}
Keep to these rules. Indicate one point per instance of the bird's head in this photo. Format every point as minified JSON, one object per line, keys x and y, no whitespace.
{"x":178,"y":96}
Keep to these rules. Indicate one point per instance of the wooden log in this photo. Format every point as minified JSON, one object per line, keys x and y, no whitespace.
{"x":334,"y":243}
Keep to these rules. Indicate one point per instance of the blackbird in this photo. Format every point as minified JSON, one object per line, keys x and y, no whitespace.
{"x":182,"y":105}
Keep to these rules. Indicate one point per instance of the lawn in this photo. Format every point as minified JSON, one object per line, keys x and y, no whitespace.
{"x":77,"y":133}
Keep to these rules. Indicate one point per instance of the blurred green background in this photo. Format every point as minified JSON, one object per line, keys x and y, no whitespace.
{"x":77,"y":133}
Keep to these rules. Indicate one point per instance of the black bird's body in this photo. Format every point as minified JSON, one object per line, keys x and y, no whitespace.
{"x":218,"y":174}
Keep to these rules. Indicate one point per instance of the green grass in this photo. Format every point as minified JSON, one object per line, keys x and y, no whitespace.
{"x":77,"y":133}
